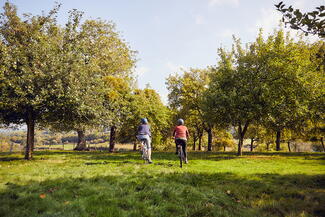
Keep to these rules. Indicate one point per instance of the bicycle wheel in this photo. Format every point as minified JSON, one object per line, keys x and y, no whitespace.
{"x":145,"y":155}
{"x":180,"y":155}
{"x":142,"y":149}
{"x":144,"y":152}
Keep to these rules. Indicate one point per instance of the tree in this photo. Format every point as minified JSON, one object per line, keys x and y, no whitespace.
{"x":315,"y":128}
{"x":271,"y":82}
{"x":146,"y":103}
{"x":55,"y":76}
{"x":224,"y":139}
{"x":312,"y":22}
{"x":291,"y":81}
{"x":118,"y":98}
{"x":93,"y":52}
{"x":28,"y":69}
{"x":186,"y":94}
{"x":316,"y":132}
{"x":234,"y":96}
{"x":196,"y":127}
{"x":255,"y":133}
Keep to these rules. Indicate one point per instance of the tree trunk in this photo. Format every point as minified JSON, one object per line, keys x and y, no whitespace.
{"x":30,"y":136}
{"x":33,"y":143}
{"x":289,"y":146}
{"x":322,"y":142}
{"x":252,"y":143}
{"x":81,"y":145}
{"x":194,"y":141}
{"x":240,"y":145}
{"x":200,"y":142}
{"x":268,"y":146}
{"x":241,"y":133}
{"x":278,"y":139}
{"x":134,"y":145}
{"x":209,"y":131}
{"x":194,"y":145}
{"x":112,"y":139}
{"x":224,"y":148}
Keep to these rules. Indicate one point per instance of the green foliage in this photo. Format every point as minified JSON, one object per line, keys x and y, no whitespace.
{"x":93,"y":55}
{"x":186,"y":95}
{"x":293,"y":80}
{"x":146,"y":103}
{"x":223,"y":140}
{"x":270,"y":82}
{"x":54,"y":76}
{"x":312,"y":22}
{"x":118,"y":100}
{"x":234,"y":95}
{"x":29,"y":79}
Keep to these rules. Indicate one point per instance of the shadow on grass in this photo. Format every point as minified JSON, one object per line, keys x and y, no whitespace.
{"x":10,"y":158}
{"x":176,"y":194}
{"x":170,"y":156}
{"x":118,"y":163}
{"x":286,"y":154}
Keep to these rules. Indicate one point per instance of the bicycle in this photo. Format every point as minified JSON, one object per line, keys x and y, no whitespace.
{"x":181,"y":155}
{"x":144,"y":151}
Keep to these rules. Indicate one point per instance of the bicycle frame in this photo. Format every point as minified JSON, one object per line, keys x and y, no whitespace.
{"x":144,"y":151}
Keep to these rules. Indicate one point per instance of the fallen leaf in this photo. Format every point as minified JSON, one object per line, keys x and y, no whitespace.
{"x":42,"y":196}
{"x":209,"y":205}
{"x":51,"y":190}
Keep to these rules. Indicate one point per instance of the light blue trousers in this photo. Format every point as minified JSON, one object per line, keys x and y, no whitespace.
{"x":147,"y":140}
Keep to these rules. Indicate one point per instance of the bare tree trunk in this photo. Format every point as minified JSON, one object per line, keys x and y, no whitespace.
{"x":33,"y":143}
{"x":112,"y":139}
{"x":322,"y":141}
{"x":209,"y":131}
{"x":30,"y":136}
{"x":200,"y":142}
{"x":81,"y":145}
{"x":278,"y":140}
{"x":194,"y":142}
{"x":224,"y":148}
{"x":289,"y":146}
{"x":134,"y":145}
{"x":241,"y":133}
{"x":240,"y":145}
{"x":252,"y":143}
{"x":267,"y":146}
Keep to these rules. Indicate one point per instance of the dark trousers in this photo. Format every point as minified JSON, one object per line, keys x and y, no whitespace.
{"x":181,"y":142}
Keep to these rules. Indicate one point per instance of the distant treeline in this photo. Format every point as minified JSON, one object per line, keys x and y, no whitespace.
{"x":44,"y":138}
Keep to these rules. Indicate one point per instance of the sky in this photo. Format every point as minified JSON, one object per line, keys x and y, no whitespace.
{"x":171,"y":35}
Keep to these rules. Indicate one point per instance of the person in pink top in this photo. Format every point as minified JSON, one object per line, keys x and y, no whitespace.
{"x":181,"y":135}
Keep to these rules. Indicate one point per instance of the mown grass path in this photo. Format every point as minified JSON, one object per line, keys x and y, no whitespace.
{"x":67,"y":183}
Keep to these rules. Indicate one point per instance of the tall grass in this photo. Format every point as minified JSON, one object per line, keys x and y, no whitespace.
{"x":66,"y":183}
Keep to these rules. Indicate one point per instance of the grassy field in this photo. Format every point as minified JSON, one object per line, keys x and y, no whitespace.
{"x":66,"y":183}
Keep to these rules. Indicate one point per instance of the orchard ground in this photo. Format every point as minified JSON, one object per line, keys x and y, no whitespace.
{"x":68,"y":183}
